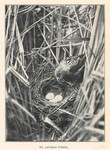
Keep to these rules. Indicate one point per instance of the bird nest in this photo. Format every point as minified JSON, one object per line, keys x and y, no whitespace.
{"x":44,"y":83}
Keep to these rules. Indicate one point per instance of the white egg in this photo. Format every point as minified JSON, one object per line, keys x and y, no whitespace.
{"x":58,"y":98}
{"x":49,"y":96}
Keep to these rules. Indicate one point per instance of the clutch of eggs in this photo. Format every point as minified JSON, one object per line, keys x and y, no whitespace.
{"x":52,"y":98}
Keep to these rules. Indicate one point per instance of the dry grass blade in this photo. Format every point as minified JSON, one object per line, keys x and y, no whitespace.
{"x":67,"y":45}
{"x":22,"y":79}
{"x":30,"y":99}
{"x":8,"y":22}
{"x":95,"y":130}
{"x":49,"y":121}
{"x":23,"y":109}
{"x":21,"y":64}
{"x":99,"y":74}
{"x":20,"y":45}
{"x":97,"y":117}
{"x":71,"y":114}
{"x":26,"y":9}
{"x":13,"y":24}
{"x":101,"y":123}
{"x":94,"y":27}
{"x":92,"y":103}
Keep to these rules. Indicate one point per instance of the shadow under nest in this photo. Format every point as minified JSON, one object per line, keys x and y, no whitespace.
{"x":59,"y":121}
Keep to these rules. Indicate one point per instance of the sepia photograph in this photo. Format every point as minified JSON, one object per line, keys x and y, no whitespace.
{"x":55,"y":73}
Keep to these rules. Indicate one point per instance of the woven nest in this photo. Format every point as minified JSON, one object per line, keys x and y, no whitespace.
{"x":46,"y":82}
